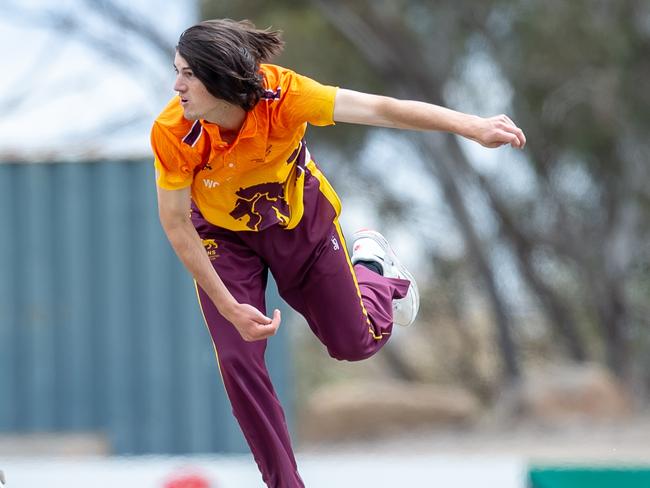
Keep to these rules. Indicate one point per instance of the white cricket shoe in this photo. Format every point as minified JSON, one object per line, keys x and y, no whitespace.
{"x":369,"y":245}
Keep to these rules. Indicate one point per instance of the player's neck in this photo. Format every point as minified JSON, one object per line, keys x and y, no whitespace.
{"x":227,"y":116}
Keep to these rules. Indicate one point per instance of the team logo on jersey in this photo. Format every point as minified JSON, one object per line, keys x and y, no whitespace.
{"x":263,"y":204}
{"x":211,"y":247}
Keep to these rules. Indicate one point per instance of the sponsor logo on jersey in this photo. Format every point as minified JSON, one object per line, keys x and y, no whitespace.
{"x":211,"y":247}
{"x":335,"y":243}
{"x":210,"y":183}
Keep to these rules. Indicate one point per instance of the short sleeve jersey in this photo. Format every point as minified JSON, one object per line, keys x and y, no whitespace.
{"x":257,"y":180}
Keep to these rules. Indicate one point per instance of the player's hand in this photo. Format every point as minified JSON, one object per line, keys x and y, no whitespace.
{"x":252,"y":324}
{"x":498,"y":131}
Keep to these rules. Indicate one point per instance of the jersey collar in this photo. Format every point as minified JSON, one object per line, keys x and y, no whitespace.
{"x":247,"y":131}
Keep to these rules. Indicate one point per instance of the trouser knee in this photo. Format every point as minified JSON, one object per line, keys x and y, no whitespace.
{"x":348,"y":351}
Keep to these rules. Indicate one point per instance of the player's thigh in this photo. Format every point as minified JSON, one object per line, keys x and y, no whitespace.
{"x":328,"y":294}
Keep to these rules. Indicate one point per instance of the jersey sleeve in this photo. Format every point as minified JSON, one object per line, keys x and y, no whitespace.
{"x":306,"y":100}
{"x":174,"y":168}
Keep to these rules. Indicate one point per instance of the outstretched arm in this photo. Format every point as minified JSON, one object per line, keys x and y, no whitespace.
{"x":363,"y":108}
{"x":174,"y":211}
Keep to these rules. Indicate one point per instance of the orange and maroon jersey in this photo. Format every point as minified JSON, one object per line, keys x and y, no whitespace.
{"x":262,"y":170}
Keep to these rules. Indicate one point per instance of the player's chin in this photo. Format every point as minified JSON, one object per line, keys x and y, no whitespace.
{"x":189,"y":115}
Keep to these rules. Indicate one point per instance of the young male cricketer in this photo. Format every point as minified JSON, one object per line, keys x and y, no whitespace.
{"x":239,"y":195}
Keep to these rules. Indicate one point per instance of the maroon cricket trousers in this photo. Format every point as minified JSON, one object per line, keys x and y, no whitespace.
{"x":349,"y":309}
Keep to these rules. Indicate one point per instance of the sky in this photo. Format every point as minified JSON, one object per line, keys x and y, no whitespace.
{"x":69,"y":92}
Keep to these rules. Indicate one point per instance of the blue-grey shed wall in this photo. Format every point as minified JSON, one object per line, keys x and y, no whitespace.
{"x":99,"y":325}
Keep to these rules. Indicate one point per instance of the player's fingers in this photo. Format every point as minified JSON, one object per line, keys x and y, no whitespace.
{"x":269,"y":329}
{"x":275,"y":321}
{"x":514,"y":140}
{"x":520,"y":133}
{"x":518,"y":139}
{"x":504,"y":137}
{"x":277,"y":318}
{"x":259,"y":318}
{"x":522,"y":137}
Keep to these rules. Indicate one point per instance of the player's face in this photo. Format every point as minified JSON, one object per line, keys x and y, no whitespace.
{"x":196,"y":100}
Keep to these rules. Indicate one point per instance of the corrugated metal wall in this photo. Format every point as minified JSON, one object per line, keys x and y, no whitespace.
{"x":99,"y":325}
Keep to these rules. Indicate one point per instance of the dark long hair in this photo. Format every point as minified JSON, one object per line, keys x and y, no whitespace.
{"x":225,"y":55}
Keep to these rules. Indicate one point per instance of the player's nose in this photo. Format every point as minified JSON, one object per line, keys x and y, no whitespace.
{"x":179,"y":86}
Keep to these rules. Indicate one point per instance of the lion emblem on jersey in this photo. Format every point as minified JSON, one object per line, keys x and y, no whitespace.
{"x":263,"y":204}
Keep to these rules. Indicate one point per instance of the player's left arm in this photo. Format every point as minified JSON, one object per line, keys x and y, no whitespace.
{"x":363,"y":108}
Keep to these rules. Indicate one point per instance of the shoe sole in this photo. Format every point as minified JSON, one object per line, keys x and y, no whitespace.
{"x":385,"y":245}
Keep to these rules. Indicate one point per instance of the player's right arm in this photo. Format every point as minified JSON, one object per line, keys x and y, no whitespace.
{"x":363,"y":108}
{"x":174,"y":212}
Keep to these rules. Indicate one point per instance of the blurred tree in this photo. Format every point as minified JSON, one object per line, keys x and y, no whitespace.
{"x":575,"y":69}
{"x":414,"y":65}
{"x":107,"y":33}
{"x":578,"y":69}
{"x":373,"y":64}
{"x":113,"y":33}
{"x":386,"y":57}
